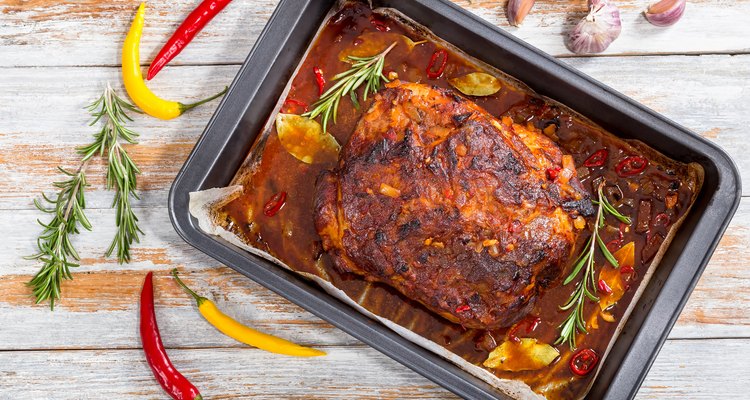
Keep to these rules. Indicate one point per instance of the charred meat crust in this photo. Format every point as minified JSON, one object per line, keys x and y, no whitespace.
{"x":438,"y":199}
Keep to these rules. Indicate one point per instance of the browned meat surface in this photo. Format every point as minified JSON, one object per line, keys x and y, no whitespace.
{"x":469,"y":215}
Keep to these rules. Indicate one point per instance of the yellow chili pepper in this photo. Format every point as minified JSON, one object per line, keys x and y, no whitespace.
{"x":132,"y":77}
{"x":244,"y":334}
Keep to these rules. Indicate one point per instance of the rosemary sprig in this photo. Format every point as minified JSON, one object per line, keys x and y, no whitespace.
{"x":586,"y":287}
{"x":56,"y":250}
{"x":121,"y":170}
{"x":364,"y":70}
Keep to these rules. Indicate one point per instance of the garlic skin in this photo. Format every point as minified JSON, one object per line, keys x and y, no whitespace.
{"x":665,"y":12}
{"x":597,"y":30}
{"x":518,"y":9}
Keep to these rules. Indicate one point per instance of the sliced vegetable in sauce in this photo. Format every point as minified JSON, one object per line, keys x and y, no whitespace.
{"x":370,"y":43}
{"x":320,"y":80}
{"x":274,"y":204}
{"x":379,"y":24}
{"x":631,"y":166}
{"x":476,"y":84}
{"x":436,"y":66}
{"x":304,"y":139}
{"x":597,"y":159}
{"x":531,"y":322}
{"x":611,"y":277}
{"x":583,"y":362}
{"x":292,"y":104}
{"x":525,"y":355}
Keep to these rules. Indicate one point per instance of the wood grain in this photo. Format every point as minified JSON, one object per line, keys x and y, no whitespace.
{"x":345,"y":373}
{"x":89,"y":32}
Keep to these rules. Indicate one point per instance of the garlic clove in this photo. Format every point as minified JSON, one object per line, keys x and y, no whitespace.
{"x":665,"y":12}
{"x":597,"y":30}
{"x":517,"y":10}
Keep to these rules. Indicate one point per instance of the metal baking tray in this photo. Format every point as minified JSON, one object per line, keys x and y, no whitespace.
{"x":245,"y":109}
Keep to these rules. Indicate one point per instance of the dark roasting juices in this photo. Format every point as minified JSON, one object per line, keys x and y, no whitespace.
{"x":655,"y":198}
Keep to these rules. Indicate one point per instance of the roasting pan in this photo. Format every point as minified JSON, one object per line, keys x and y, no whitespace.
{"x":260,"y":81}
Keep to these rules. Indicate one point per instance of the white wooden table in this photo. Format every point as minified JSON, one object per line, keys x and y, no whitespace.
{"x":57,"y":56}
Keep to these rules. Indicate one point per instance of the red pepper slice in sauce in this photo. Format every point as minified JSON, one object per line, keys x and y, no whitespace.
{"x":626,"y":269}
{"x":630,"y":166}
{"x":614,"y":245}
{"x":437,"y":64}
{"x":275,"y":204}
{"x":380,"y":25}
{"x":462,"y":308}
{"x":531,"y":323}
{"x":662,"y":219}
{"x":583,"y":361}
{"x":552,"y":173}
{"x":294,"y":102}
{"x":603,"y":287}
{"x":320,"y":80}
{"x":597,"y":159}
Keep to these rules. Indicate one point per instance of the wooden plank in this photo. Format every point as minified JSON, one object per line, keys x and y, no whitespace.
{"x":99,"y":307}
{"x":42,"y":128}
{"x":90,"y":32}
{"x":700,"y":92}
{"x":699,"y":369}
{"x":345,"y":373}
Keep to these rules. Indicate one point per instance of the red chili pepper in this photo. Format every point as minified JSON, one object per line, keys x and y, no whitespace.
{"x":295,"y":102}
{"x":173,"y":382}
{"x":662,"y":219}
{"x":583,"y":362}
{"x":190,"y":27}
{"x":275,"y":204}
{"x":603,"y":287}
{"x":320,"y":80}
{"x":614,"y":244}
{"x":380,"y":25}
{"x":552,"y":173}
{"x":597,"y":159}
{"x":462,"y":308}
{"x":531,"y":322}
{"x":626,"y":269}
{"x":630,"y":166}
{"x":432,"y":71}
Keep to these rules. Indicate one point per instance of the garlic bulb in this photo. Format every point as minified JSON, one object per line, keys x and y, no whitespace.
{"x":517,"y":10}
{"x":665,"y":12}
{"x":598,"y":30}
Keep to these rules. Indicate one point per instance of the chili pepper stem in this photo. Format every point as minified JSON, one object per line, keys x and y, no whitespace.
{"x":185,"y":107}
{"x":198,"y":299}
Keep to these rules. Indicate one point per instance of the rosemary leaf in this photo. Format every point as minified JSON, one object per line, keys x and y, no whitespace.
{"x":574,"y":322}
{"x":55,"y":249}
{"x":364,"y":70}
{"x":122,"y":172}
